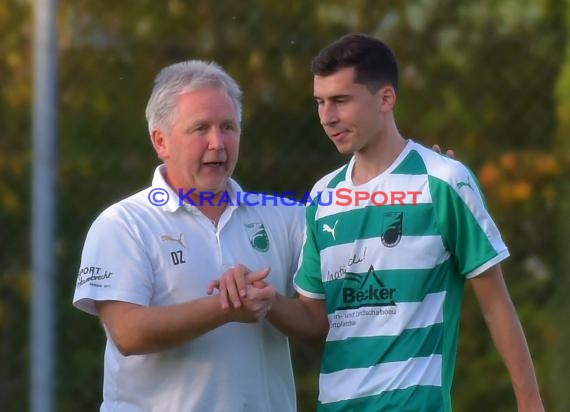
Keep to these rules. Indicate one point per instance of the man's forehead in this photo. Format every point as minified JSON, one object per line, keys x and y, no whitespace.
{"x":204,"y":98}
{"x":339,"y":83}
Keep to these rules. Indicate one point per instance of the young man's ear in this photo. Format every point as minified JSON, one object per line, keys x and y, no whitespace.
{"x":386,"y":98}
{"x":158,"y":139}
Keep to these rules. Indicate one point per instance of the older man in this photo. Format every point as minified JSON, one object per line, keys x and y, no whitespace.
{"x":148,"y":260}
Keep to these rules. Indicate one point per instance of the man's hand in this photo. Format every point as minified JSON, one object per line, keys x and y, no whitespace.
{"x":449,"y":152}
{"x":242,"y":287}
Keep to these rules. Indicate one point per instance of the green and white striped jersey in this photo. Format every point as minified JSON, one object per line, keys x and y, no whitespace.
{"x":390,"y":257}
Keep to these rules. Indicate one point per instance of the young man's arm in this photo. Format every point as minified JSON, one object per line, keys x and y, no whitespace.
{"x":301,"y":318}
{"x":508,"y":336}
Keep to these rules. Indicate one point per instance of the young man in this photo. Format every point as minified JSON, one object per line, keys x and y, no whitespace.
{"x":390,"y":239}
{"x":148,"y":259}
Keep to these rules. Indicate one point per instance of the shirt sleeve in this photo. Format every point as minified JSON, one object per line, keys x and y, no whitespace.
{"x":467,"y":229}
{"x":297,"y":232}
{"x":308,"y":281}
{"x":114,"y":263}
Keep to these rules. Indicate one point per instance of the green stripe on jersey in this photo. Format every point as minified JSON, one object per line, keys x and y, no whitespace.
{"x":413,"y":164}
{"x":451,"y":320}
{"x":461,"y":232}
{"x":410,"y":285}
{"x":365,"y":352}
{"x":311,"y":262}
{"x":340,"y":177}
{"x":416,"y":399}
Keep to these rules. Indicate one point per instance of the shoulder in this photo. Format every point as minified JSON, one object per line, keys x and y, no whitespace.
{"x":330,"y":180}
{"x":442,"y":168}
{"x":449,"y":177}
{"x":128,"y":211}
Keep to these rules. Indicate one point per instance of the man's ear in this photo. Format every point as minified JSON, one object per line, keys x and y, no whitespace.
{"x":158,"y":139}
{"x":386,"y":98}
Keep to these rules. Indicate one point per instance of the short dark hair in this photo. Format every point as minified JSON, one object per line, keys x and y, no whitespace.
{"x":374,"y":62}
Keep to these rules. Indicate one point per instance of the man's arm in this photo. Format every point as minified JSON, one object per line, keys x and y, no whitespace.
{"x":301,"y":318}
{"x":508,"y":336}
{"x":138,"y":329}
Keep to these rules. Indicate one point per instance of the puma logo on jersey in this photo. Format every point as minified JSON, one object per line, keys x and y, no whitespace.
{"x":461,"y":184}
{"x":327,"y":228}
{"x":171,"y":239}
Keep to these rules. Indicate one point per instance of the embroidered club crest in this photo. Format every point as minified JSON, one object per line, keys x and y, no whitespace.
{"x":257,"y":236}
{"x":392,"y":228}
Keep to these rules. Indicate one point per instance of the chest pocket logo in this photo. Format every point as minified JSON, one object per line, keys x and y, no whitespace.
{"x":257,"y":236}
{"x":392,"y":228}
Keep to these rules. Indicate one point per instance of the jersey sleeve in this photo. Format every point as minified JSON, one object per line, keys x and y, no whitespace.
{"x":308,"y":280}
{"x":467,"y":229}
{"x":114,"y":264}
{"x":297,"y":233}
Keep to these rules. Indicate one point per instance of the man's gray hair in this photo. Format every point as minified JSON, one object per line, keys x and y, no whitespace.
{"x":183,"y":77}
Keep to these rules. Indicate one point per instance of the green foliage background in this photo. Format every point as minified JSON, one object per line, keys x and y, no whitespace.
{"x":488,"y":78}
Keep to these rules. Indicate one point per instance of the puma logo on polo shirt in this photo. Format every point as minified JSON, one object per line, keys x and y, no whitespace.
{"x":171,"y":239}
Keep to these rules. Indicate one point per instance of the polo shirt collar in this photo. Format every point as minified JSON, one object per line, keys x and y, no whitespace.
{"x":172,"y":205}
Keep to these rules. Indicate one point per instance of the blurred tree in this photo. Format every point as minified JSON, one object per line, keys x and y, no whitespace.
{"x":559,"y":336}
{"x":15,"y":81}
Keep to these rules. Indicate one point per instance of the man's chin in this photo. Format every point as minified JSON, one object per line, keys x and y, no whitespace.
{"x":344,"y":149}
{"x":216,"y":188}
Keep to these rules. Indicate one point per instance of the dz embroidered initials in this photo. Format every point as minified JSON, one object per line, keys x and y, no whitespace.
{"x":177,"y":257}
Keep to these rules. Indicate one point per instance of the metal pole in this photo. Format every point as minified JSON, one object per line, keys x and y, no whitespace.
{"x":42,"y":362}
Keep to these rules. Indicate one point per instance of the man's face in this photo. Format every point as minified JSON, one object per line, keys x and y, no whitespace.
{"x":348,"y":112}
{"x":201,"y":150}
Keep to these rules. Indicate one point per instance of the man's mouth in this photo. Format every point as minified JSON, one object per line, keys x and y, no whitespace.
{"x":214,"y":164}
{"x":337,"y":135}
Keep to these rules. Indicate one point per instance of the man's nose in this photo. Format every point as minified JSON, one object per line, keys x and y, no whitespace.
{"x":216,"y":139}
{"x":328,"y":114}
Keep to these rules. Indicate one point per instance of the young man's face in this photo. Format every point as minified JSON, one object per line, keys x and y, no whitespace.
{"x":348,"y":111}
{"x":201,"y":150}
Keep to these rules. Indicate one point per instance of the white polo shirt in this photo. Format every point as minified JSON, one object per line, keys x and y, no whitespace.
{"x":163,"y":255}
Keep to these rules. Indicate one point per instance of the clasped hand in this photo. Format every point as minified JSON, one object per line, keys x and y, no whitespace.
{"x":244,"y":293}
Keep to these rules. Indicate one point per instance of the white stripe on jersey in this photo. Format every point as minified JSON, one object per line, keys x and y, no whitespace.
{"x":357,"y":383}
{"x":428,"y":252}
{"x":390,"y":186}
{"x":386,"y":320}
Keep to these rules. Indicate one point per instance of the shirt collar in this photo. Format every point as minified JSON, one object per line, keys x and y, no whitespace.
{"x":173,"y":203}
